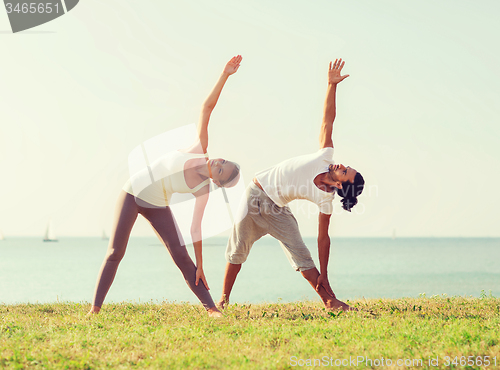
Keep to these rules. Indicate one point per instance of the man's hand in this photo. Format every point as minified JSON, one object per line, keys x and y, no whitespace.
{"x":323,"y":282}
{"x":223,"y":303}
{"x":200,"y":275}
{"x":233,"y":65}
{"x":93,"y":311}
{"x":334,"y":70}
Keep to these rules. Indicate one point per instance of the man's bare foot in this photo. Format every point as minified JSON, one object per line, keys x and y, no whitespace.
{"x":214,"y":312}
{"x":335,"y":304}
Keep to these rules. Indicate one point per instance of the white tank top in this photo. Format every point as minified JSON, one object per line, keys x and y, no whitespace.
{"x":165,"y":176}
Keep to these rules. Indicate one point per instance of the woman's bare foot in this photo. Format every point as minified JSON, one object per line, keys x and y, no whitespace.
{"x":335,"y":304}
{"x":214,"y":312}
{"x":93,"y":310}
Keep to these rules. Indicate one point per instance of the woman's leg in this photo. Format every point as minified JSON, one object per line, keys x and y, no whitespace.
{"x":164,"y":224}
{"x":125,"y":216}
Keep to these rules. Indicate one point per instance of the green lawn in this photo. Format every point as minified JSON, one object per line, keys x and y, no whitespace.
{"x":261,"y":336}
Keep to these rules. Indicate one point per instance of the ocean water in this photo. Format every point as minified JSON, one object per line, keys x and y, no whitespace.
{"x":34,"y":271}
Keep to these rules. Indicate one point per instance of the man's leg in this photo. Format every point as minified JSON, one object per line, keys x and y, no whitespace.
{"x":232,"y":271}
{"x":331,"y":303}
{"x":249,"y":228}
{"x":284,"y":227}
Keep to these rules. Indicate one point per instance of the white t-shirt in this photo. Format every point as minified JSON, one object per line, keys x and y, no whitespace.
{"x":294,"y":179}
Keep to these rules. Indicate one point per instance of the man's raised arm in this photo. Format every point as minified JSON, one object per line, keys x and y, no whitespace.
{"x":334,"y":77}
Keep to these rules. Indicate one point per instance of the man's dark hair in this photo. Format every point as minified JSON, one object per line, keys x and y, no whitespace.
{"x":350,"y":192}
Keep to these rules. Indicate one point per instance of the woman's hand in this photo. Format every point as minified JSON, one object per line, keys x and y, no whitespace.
{"x":233,"y":65}
{"x":334,"y":70}
{"x":200,"y":275}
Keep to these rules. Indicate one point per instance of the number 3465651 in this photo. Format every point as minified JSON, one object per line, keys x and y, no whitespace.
{"x":470,"y":361}
{"x":26,"y":8}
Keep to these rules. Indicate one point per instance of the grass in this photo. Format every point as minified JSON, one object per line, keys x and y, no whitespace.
{"x":253,"y":336}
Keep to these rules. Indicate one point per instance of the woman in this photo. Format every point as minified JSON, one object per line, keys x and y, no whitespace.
{"x":186,"y":171}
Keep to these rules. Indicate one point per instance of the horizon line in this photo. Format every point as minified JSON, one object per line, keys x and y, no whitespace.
{"x":6,"y":237}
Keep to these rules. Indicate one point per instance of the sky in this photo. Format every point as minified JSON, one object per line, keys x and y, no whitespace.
{"x":418,"y":116}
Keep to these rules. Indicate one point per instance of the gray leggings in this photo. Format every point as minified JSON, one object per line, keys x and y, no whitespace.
{"x":162,"y":221}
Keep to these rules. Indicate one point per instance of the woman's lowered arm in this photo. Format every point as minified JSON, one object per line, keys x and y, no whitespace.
{"x":199,"y":208}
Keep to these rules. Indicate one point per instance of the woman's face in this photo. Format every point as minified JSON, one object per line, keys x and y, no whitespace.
{"x":221,"y":170}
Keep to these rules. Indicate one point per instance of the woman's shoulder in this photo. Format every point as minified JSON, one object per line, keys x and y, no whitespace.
{"x":195,"y":149}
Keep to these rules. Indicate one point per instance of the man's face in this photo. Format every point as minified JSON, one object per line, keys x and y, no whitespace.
{"x":340,"y":173}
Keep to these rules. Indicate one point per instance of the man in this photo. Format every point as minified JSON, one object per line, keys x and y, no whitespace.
{"x":313,"y":177}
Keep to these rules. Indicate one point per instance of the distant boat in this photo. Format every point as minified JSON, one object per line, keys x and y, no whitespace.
{"x":49,"y":234}
{"x":393,"y":234}
{"x":104,"y":236}
{"x":1,"y":236}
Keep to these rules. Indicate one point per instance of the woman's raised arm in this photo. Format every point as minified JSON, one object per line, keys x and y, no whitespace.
{"x":209,"y":104}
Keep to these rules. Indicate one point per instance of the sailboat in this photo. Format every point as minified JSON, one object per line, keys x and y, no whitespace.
{"x":1,"y":236}
{"x":104,"y":236}
{"x":393,"y":234}
{"x":49,"y":234}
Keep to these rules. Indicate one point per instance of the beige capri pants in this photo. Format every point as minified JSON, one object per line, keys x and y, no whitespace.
{"x":257,"y":216}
